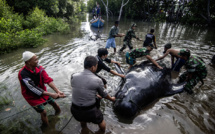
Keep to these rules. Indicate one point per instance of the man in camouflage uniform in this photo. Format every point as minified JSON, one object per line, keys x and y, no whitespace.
{"x":140,"y":52}
{"x":195,"y":70}
{"x":129,"y":35}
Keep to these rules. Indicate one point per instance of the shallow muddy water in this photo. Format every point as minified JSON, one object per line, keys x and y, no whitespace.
{"x":63,"y":55}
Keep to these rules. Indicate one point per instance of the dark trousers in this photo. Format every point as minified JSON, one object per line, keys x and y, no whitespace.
{"x":197,"y":76}
{"x":126,"y":43}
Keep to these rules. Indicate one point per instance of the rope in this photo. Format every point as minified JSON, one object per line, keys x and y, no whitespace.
{"x":23,"y":110}
{"x":66,"y":125}
{"x":35,"y":106}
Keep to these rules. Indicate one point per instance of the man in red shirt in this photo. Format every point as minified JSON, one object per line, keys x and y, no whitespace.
{"x":32,"y":79}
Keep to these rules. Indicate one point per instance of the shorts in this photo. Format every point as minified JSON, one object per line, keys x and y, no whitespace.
{"x":103,"y":79}
{"x":93,"y":115}
{"x":145,"y":44}
{"x":40,"y":108}
{"x":111,"y":43}
{"x":178,"y":64}
{"x":129,"y":60}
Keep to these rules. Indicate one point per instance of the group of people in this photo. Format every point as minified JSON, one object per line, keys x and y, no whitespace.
{"x":88,"y":88}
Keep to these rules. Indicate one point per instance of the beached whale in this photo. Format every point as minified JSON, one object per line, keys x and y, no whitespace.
{"x":144,"y":84}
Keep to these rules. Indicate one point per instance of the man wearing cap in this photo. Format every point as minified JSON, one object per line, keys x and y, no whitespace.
{"x":32,"y":79}
{"x":174,"y":54}
{"x":150,"y":37}
{"x":102,"y":56}
{"x":114,"y":32}
{"x":195,"y":70}
{"x":140,"y":52}
{"x":129,"y":35}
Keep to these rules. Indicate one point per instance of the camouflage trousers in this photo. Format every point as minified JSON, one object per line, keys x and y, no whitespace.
{"x":198,"y":76}
{"x":126,"y":43}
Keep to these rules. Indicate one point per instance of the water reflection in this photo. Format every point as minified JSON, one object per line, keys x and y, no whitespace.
{"x":63,"y":55}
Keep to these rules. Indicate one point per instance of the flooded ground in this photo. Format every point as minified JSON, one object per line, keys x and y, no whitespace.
{"x":63,"y":55}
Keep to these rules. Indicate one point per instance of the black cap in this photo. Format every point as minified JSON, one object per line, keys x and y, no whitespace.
{"x":116,"y":22}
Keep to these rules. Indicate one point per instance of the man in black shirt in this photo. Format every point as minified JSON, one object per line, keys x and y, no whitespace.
{"x":150,"y":37}
{"x":102,"y":56}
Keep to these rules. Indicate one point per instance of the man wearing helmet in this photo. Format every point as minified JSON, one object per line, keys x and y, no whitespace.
{"x":195,"y":70}
{"x":129,"y":35}
{"x":174,"y":54}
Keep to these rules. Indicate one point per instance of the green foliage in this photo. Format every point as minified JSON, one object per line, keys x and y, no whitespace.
{"x":30,"y":38}
{"x":35,"y":18}
{"x":53,"y":25}
{"x":15,"y":31}
{"x":10,"y":25}
{"x":192,"y":12}
{"x":54,"y":8}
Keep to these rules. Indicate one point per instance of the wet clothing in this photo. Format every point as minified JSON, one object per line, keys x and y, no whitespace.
{"x":127,"y":40}
{"x":195,"y":66}
{"x":149,"y":39}
{"x":136,"y":53}
{"x":111,"y":43}
{"x":40,"y":108}
{"x":126,"y":43}
{"x":101,"y":66}
{"x":178,"y":64}
{"x":111,"y":38}
{"x":33,"y":84}
{"x":129,"y":60}
{"x":113,"y":32}
{"x":85,"y":86}
{"x":87,"y":114}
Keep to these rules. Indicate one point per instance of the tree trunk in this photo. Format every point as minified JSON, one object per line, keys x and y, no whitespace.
{"x":120,"y":12}
{"x":106,"y":7}
{"x":208,"y":13}
{"x":122,"y":5}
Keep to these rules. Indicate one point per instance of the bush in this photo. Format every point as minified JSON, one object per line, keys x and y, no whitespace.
{"x":15,"y":31}
{"x":10,"y":25}
{"x":30,"y":38}
{"x":35,"y":18}
{"x":53,"y":25}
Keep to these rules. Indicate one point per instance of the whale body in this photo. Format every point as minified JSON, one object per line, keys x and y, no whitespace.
{"x":144,"y":84}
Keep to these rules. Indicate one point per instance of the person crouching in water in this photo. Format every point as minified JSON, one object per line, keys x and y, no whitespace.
{"x":102,"y":56}
{"x":174,"y":54}
{"x":195,"y":70}
{"x":140,"y":52}
{"x":85,"y":87}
